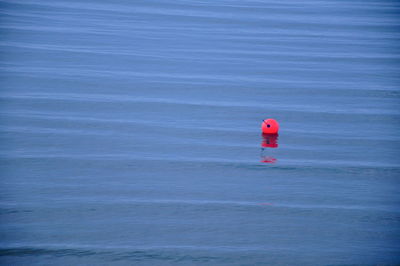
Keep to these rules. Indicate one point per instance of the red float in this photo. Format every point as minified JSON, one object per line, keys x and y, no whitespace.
{"x":270,"y":126}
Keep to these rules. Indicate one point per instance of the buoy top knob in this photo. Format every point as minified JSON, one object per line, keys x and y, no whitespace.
{"x":270,"y":126}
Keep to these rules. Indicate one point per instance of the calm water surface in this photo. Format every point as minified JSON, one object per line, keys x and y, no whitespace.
{"x":130,"y":132}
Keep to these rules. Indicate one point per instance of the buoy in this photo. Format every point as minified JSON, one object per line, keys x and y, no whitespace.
{"x":270,"y":126}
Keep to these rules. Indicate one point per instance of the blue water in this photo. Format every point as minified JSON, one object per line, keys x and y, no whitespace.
{"x":130,"y":132}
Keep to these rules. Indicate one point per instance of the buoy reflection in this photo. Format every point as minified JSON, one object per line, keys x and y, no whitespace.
{"x":268,"y":141}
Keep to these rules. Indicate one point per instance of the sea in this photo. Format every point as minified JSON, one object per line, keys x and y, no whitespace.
{"x":130,"y":132}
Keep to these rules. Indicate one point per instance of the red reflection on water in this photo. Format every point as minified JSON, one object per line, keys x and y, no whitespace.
{"x":268,"y":141}
{"x":268,"y":159}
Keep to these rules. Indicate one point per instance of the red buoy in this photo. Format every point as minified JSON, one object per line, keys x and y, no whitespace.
{"x":270,"y":126}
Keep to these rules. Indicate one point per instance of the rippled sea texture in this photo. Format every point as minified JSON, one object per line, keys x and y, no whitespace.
{"x":130,"y":132}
